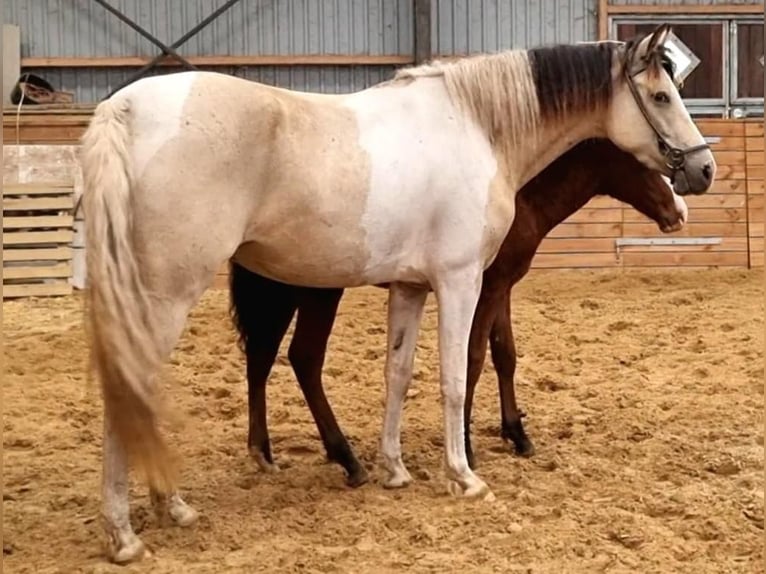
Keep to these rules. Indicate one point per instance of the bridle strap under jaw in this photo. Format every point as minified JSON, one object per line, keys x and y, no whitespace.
{"x":675,"y":158}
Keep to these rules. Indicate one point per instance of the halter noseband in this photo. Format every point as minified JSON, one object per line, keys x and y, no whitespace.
{"x":675,"y":158}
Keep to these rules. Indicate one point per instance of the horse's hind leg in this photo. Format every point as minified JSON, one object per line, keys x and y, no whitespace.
{"x":316,"y":315}
{"x":504,"y":357}
{"x":262,"y":310}
{"x":123,"y":545}
{"x":405,"y":309}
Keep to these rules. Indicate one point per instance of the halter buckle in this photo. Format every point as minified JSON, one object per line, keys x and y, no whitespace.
{"x":675,"y":158}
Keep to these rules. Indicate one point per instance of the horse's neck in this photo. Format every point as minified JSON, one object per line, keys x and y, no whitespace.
{"x":557,"y":194}
{"x":551,"y":140}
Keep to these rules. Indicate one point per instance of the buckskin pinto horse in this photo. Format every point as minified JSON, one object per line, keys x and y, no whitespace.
{"x":262,"y":309}
{"x":410,"y":182}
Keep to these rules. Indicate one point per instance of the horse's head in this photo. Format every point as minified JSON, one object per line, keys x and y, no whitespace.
{"x":623,"y":177}
{"x":647,"y":116}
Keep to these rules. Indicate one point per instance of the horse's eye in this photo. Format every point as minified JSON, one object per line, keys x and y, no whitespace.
{"x":661,"y":97}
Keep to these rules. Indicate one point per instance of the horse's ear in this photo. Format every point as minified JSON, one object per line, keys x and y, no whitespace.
{"x":658,"y":37}
{"x":653,"y":43}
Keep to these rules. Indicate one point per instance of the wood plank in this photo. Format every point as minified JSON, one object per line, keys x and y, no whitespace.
{"x":574,"y":260}
{"x":603,"y":19}
{"x":577,"y":245}
{"x":721,"y":127}
{"x":732,"y":172}
{"x":754,"y":158}
{"x":691,"y":229}
{"x":755,"y":187}
{"x":603,"y":202}
{"x":38,"y":188}
{"x":727,"y":143}
{"x":756,"y":257}
{"x":754,"y":129}
{"x":727,"y":244}
{"x":43,"y":134}
{"x":38,"y":221}
{"x":31,"y":237}
{"x":756,"y":9}
{"x":37,"y":290}
{"x":756,"y":229}
{"x":733,"y":158}
{"x":754,"y":144}
{"x":727,"y":186}
{"x":698,"y":215}
{"x":684,"y":259}
{"x":37,"y":271}
{"x":712,"y":200}
{"x":222,"y":60}
{"x":38,"y":204}
{"x":44,"y":254}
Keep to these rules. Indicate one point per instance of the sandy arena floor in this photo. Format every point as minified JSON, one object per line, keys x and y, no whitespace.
{"x":644,"y":394}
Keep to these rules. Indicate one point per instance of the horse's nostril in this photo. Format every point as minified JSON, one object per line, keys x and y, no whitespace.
{"x":707,"y":171}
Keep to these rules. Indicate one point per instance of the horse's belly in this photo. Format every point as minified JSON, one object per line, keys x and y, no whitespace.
{"x":300,"y":260}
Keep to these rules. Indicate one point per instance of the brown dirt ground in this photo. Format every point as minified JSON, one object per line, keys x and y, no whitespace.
{"x":645,"y":399}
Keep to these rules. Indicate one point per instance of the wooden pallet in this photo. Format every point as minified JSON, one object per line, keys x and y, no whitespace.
{"x":38,"y":228}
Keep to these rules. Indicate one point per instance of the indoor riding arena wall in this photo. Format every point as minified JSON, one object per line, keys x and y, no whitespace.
{"x":640,"y":354}
{"x":641,"y":373}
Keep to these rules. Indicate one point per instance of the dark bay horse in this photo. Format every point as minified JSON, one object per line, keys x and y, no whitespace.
{"x":262,"y":309}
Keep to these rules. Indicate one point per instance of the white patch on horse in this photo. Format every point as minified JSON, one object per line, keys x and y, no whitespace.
{"x":416,"y":141}
{"x":158,"y":108}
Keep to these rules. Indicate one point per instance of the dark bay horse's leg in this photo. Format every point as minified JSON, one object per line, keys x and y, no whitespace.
{"x":490,"y":301}
{"x":262,"y":310}
{"x":504,"y":357}
{"x":316,"y":315}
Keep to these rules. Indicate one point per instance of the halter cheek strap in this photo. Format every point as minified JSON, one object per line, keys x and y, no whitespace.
{"x":675,"y":158}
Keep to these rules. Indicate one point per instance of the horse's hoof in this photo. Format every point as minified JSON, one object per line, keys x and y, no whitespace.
{"x":479,"y":490}
{"x":182,"y":514}
{"x":129,"y":549}
{"x":263,"y":464}
{"x":398,"y":479}
{"x":357,"y":478}
{"x":525,"y":448}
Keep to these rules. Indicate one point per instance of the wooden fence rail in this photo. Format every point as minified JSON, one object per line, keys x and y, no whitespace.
{"x":38,"y":224}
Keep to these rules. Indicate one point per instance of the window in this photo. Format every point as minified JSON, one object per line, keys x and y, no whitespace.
{"x":728,"y":82}
{"x":749,"y":63}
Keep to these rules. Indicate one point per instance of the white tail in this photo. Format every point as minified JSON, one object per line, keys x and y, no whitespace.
{"x":123,"y":349}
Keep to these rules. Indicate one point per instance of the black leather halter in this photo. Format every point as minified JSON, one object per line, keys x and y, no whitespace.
{"x":675,"y":158}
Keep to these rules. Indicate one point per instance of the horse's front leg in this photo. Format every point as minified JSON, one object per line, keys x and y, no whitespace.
{"x":504,"y":358}
{"x":486,"y":309}
{"x":405,"y":309}
{"x":457,"y":296}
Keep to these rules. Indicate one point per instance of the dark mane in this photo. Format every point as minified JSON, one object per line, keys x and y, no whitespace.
{"x":572,"y":78}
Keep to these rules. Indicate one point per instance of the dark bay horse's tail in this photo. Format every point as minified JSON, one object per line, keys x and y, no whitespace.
{"x":124,"y":352}
{"x":242,"y":307}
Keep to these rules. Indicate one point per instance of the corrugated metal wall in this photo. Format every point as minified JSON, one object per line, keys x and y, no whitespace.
{"x":684,"y":2}
{"x":466,"y":26}
{"x":82,"y":28}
